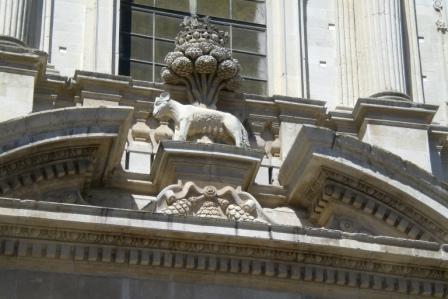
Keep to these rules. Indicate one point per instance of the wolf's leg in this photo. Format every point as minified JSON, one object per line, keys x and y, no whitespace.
{"x":183,"y":130}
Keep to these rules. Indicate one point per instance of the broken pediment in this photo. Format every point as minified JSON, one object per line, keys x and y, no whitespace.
{"x":325,"y":170}
{"x":60,"y":151}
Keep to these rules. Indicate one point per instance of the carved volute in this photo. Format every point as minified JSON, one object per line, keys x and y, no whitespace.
{"x":201,"y":62}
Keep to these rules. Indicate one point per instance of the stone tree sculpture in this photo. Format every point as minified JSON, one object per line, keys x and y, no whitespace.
{"x":201,"y":62}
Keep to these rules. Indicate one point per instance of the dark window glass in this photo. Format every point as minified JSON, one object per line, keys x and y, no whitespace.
{"x":141,"y":22}
{"x":249,"y":40}
{"x":167,"y":27}
{"x":141,"y":48}
{"x":214,"y":8}
{"x":125,"y":45}
{"x":251,"y":11}
{"x":148,"y":29}
{"x":125,"y":19}
{"x":161,"y":48}
{"x":157,"y":71}
{"x":141,"y":71}
{"x":179,"y":5}
{"x":254,"y":87}
{"x":124,"y":66}
{"x":252,"y":66}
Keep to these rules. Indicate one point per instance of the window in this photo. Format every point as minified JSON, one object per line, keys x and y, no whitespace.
{"x":148,"y":29}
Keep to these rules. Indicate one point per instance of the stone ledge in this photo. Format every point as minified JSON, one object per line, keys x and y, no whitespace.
{"x":75,"y":216}
{"x":393,"y":111}
{"x":22,"y":60}
{"x":215,"y":164}
{"x":71,"y":234}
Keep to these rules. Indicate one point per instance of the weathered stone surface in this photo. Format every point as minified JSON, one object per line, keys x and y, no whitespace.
{"x":206,"y":164}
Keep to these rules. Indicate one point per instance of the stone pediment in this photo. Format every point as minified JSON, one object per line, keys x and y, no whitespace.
{"x":326,"y":170}
{"x":64,"y":149}
{"x":205,"y":164}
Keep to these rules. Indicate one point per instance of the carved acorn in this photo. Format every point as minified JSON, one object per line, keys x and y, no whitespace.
{"x":171,"y":56}
{"x":182,"y":66}
{"x":206,"y":64}
{"x":169,"y":77}
{"x":182,"y":47}
{"x":220,"y":54}
{"x":227,"y":69}
{"x":193,"y":52}
{"x":206,"y":47}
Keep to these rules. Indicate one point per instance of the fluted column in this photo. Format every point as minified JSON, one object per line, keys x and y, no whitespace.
{"x":381,"y":62}
{"x":348,"y":64}
{"x":15,"y":18}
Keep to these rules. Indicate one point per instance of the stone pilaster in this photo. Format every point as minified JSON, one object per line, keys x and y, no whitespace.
{"x":15,"y":18}
{"x":379,"y":31}
{"x":348,"y":64}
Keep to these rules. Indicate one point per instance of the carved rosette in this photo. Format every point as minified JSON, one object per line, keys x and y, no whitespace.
{"x":209,"y":202}
{"x":201,"y":62}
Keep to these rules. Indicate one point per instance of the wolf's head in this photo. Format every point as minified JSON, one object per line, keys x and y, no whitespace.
{"x":161,"y":105}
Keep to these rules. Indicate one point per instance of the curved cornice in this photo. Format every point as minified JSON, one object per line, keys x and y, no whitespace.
{"x":399,"y":185}
{"x":49,"y":145}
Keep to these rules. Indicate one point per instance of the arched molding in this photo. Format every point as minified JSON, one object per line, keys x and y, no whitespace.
{"x":371,"y":202}
{"x":324,"y":166}
{"x":69,"y":147}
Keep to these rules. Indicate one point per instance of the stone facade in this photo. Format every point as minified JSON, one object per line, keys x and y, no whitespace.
{"x":332,"y":186}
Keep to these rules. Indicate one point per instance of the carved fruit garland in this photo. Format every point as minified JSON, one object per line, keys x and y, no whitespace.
{"x":201,"y":62}
{"x":227,"y":203}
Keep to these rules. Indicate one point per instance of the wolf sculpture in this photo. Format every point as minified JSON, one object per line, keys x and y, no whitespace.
{"x":191,"y":121}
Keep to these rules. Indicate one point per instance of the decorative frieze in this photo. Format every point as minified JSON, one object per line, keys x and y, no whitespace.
{"x":18,"y":177}
{"x":90,"y":247}
{"x":372,"y":201}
